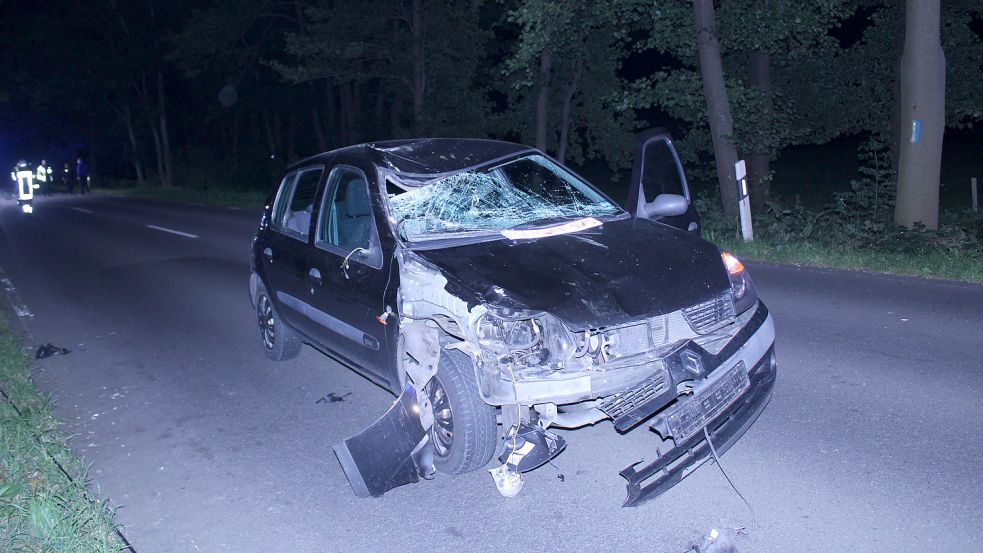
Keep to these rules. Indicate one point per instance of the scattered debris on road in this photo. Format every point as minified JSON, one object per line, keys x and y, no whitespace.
{"x":47,"y":350}
{"x":333,"y":398}
{"x":716,"y":542}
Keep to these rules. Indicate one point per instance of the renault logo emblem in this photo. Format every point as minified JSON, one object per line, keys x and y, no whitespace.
{"x":691,"y":362}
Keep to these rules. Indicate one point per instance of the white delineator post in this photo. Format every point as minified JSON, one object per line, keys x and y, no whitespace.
{"x":976,"y":205}
{"x":740,"y":171}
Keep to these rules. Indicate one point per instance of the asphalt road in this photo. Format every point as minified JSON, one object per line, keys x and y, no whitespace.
{"x":871,"y":442}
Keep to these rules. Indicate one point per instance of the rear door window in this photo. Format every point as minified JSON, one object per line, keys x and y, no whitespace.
{"x":295,"y":202}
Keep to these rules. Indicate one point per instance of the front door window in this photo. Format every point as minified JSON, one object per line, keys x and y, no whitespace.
{"x":660,"y":171}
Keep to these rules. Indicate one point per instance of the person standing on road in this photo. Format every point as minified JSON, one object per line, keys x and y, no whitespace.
{"x":82,"y":175}
{"x":67,"y":179}
{"x":23,"y":176}
{"x":43,"y":175}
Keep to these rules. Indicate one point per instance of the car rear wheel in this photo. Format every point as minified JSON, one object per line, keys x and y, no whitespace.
{"x":279,"y":341}
{"x":464,"y":431}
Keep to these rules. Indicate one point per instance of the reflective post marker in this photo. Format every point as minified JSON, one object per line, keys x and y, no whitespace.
{"x":740,"y":171}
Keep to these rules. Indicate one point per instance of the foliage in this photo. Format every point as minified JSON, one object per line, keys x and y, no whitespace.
{"x":586,"y":55}
{"x":860,"y":219}
{"x":80,"y":73}
{"x":41,"y":509}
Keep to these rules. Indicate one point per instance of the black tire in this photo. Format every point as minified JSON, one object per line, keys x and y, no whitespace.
{"x":464,"y":433}
{"x":279,"y":341}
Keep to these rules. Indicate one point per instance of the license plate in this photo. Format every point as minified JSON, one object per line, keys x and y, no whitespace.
{"x":692,"y":415}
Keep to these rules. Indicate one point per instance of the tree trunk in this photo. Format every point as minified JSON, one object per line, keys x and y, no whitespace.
{"x":923,"y":90}
{"x":561,"y":152}
{"x":759,"y":159}
{"x":158,"y":149}
{"x":322,"y":141}
{"x":164,"y":137}
{"x":235,"y":138}
{"x":419,"y":76}
{"x":270,"y":140}
{"x":718,"y":109}
{"x":334,"y":133}
{"x":291,"y":137}
{"x":379,"y":117}
{"x":542,"y":103}
{"x":278,"y":134}
{"x":355,"y":115}
{"x":393,"y":117}
{"x":345,"y":100}
{"x":131,"y":133}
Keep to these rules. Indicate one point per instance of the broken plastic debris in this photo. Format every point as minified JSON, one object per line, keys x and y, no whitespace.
{"x":333,"y":398}
{"x":507,"y":480}
{"x":525,"y":448}
{"x":47,"y":350}
{"x":716,"y":541}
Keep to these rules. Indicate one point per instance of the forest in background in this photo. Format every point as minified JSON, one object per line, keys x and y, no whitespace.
{"x":225,"y":93}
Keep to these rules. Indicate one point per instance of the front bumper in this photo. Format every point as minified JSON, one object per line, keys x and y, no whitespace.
{"x":652,"y":480}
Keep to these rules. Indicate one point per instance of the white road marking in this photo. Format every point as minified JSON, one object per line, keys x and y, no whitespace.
{"x":82,"y":209}
{"x":172,"y":231}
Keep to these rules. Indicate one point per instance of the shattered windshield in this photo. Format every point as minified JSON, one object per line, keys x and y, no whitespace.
{"x":524,"y":191}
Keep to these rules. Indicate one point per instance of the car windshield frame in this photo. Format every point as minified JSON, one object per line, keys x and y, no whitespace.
{"x":585,"y":202}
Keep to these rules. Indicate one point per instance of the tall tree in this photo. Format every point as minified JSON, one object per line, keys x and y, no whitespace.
{"x":923,"y":105}
{"x":718,"y":108}
{"x":562,"y":79}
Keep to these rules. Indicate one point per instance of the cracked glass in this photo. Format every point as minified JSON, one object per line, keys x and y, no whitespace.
{"x":531,"y":191}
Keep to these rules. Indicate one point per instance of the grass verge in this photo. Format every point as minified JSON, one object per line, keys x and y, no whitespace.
{"x":41,"y":508}
{"x":213,"y":197}
{"x":960,"y":266}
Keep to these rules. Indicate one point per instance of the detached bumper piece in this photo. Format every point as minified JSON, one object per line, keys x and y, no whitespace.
{"x":725,"y":429}
{"x":388,"y":453}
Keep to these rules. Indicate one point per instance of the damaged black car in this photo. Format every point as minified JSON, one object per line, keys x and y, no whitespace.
{"x":499,"y":295}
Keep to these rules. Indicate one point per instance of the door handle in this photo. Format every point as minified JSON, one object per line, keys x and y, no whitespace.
{"x":314,"y":275}
{"x":268,"y":254}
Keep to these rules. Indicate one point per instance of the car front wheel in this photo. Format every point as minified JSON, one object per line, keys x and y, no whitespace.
{"x":464,"y":432}
{"x":279,"y":341}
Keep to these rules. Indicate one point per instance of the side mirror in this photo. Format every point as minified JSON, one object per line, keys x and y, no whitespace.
{"x":667,"y":205}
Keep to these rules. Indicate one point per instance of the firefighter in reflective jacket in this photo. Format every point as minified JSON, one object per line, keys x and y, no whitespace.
{"x":24,"y":177}
{"x":43,"y":177}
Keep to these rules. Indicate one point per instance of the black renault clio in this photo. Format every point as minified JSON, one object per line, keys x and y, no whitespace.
{"x":498,"y":294}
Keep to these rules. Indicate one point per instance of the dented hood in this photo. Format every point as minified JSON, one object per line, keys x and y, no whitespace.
{"x":620,"y":272}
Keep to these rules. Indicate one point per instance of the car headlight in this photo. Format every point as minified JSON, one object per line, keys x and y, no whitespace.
{"x":741,"y":287}
{"x":525,"y":343}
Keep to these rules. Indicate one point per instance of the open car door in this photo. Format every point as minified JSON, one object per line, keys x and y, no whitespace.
{"x":658,"y":188}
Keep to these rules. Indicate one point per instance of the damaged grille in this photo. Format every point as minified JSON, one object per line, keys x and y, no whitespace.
{"x":631,"y":406}
{"x":710,"y":315}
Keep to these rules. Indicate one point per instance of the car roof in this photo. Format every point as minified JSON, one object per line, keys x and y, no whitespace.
{"x":424,"y":157}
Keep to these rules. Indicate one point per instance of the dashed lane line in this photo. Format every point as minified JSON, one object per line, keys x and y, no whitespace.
{"x":172,"y":231}
{"x":82,"y":209}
